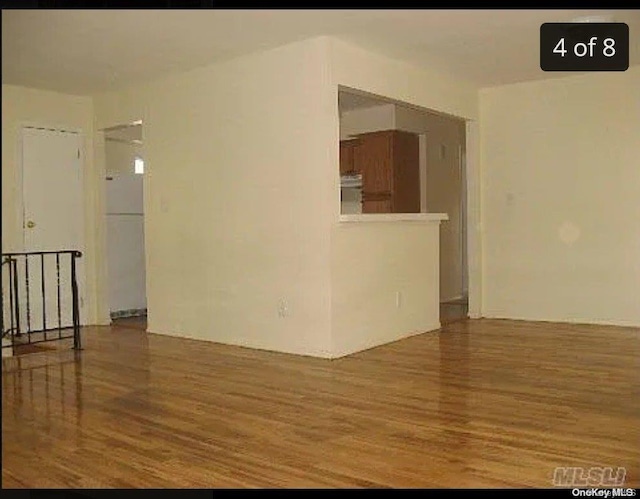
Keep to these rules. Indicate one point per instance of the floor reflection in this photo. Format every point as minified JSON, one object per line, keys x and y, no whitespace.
{"x":41,"y":388}
{"x":454,"y":311}
{"x":453,"y":400}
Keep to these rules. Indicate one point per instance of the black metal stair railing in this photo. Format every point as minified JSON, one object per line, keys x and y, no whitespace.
{"x":40,"y":297}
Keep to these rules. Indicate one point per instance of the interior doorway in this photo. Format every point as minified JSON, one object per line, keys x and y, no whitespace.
{"x":125,"y":170}
{"x":446,"y":193}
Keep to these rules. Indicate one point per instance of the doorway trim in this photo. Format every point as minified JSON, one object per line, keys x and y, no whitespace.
{"x":103,"y":305}
{"x":473,"y":219}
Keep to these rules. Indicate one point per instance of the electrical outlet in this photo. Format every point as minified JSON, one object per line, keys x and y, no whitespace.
{"x":283,"y":308}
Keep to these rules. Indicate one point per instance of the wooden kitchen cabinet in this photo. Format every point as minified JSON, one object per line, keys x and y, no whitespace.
{"x":374,"y":158}
{"x":347,"y":153}
{"x":376,"y":203}
{"x":390,"y":165}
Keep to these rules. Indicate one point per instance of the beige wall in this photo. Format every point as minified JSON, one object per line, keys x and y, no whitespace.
{"x":369,"y":119}
{"x":25,"y":106}
{"x":561,"y":199}
{"x":237,"y":198}
{"x":372,"y":261}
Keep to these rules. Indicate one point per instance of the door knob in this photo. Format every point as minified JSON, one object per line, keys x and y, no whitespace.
{"x":31,"y":224}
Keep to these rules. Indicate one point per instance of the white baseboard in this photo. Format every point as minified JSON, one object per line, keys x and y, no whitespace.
{"x":577,"y":322}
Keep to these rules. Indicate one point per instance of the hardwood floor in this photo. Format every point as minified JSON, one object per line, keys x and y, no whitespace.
{"x":482,"y":403}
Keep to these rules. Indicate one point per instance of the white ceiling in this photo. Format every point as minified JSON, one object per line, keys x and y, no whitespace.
{"x":88,"y":51}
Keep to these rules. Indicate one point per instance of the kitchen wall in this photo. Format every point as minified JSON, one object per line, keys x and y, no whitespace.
{"x":561,"y":190}
{"x":125,"y":229}
{"x":241,"y":177}
{"x":368,"y":119}
{"x":26,"y":106}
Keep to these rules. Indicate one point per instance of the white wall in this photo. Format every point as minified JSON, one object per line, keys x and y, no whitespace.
{"x":371,"y":261}
{"x":26,"y":106}
{"x":561,"y":199}
{"x":367,"y":277}
{"x":238,"y":196}
{"x":125,"y":228}
{"x":368,"y":119}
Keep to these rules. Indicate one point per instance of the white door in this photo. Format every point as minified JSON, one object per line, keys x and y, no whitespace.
{"x":53,"y":221}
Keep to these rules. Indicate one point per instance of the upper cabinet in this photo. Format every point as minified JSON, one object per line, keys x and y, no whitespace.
{"x":347,"y":156}
{"x":374,"y":158}
{"x":390,"y":165}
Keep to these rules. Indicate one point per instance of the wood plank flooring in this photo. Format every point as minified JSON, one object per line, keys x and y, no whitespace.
{"x":481,"y":403}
